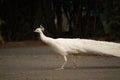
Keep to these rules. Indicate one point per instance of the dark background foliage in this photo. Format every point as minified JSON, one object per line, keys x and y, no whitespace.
{"x":61,"y":18}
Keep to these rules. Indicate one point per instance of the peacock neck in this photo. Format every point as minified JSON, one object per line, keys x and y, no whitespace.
{"x":45,"y":39}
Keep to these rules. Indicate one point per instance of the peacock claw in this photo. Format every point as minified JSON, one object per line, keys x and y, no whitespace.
{"x":59,"y":69}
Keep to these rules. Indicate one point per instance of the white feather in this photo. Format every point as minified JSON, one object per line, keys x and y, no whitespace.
{"x":77,"y":46}
{"x":67,"y":46}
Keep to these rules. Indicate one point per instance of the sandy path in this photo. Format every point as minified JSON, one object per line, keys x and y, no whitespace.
{"x":38,"y":63}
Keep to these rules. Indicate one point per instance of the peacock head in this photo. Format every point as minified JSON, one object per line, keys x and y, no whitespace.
{"x":40,"y":29}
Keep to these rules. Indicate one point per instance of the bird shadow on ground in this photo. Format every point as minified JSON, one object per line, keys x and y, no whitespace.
{"x":100,"y":67}
{"x":83,"y":68}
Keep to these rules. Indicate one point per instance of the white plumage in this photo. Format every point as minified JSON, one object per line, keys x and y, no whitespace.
{"x":67,"y":46}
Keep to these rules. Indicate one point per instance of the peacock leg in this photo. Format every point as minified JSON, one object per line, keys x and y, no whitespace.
{"x":65,"y":61}
{"x":75,"y":61}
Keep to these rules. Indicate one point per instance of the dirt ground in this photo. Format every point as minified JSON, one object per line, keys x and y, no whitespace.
{"x":35,"y":61}
{"x":21,"y":44}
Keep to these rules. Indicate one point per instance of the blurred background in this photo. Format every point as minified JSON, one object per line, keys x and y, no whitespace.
{"x":97,"y":19}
